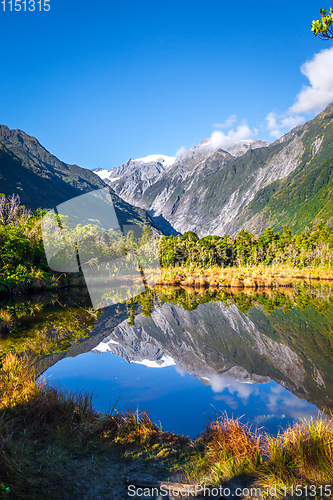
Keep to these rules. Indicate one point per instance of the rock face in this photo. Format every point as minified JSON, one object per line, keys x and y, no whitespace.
{"x":205,"y":190}
{"x":194,"y":193}
{"x":133,"y":177}
{"x":250,"y":185}
{"x":305,"y":195}
{"x":125,"y":178}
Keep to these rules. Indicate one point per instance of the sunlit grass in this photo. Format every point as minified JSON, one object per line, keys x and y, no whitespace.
{"x":302,"y":453}
{"x":227,"y":448}
{"x":17,"y":381}
{"x":6,"y":320}
{"x":260,"y":276}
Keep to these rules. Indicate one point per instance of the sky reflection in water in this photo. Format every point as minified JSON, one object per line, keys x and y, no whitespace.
{"x":177,"y":401}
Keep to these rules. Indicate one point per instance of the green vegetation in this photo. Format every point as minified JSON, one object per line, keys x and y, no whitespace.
{"x":218,"y":184}
{"x":304,"y":197}
{"x":311,"y":248}
{"x":23,"y":265}
{"x":323,"y":27}
{"x":301,"y":296}
{"x":55,"y":445}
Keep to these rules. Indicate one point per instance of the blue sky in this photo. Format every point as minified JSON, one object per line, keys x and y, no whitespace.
{"x":100,"y":82}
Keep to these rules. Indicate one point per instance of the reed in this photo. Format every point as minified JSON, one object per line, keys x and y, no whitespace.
{"x":259,"y":276}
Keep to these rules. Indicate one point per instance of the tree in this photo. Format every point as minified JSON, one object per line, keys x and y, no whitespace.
{"x":190,"y":236}
{"x":323,"y":27}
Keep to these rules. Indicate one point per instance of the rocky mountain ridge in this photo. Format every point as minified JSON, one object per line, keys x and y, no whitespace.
{"x":223,"y":191}
{"x":125,"y":178}
{"x":303,"y":197}
{"x":205,"y":190}
{"x":43,"y":181}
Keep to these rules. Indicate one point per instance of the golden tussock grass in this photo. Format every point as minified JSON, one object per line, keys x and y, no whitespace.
{"x":229,"y":448}
{"x":302,"y":453}
{"x":242,"y":277}
{"x":6,"y":320}
{"x":17,"y":381}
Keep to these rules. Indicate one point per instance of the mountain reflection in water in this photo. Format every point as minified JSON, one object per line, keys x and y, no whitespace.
{"x":186,"y":358}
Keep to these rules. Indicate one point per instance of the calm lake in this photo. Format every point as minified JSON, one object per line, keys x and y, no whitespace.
{"x":187,"y":356}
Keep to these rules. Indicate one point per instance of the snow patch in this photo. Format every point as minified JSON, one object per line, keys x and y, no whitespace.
{"x":164,"y":361}
{"x":165,"y":160}
{"x":104,"y":346}
{"x":103,"y":174}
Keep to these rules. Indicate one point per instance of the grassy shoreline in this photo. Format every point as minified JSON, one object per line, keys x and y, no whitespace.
{"x":241,"y":277}
{"x":55,"y":445}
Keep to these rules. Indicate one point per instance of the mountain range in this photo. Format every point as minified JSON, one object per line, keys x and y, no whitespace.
{"x":43,"y":181}
{"x":251,"y":185}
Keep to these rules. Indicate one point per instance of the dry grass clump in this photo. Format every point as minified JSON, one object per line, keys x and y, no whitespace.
{"x":44,"y":431}
{"x":259,"y":276}
{"x":47,"y":410}
{"x":302,"y":454}
{"x":40,"y":424}
{"x":228,"y":448}
{"x":136,"y":428}
{"x":232,"y":443}
{"x":6,"y":320}
{"x":17,"y":381}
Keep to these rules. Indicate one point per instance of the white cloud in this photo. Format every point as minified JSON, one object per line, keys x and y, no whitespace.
{"x":180,"y":151}
{"x":319,"y":93}
{"x":180,"y":370}
{"x":228,"y":123}
{"x":311,"y":99}
{"x":243,"y":390}
{"x":278,"y":125}
{"x":220,"y":140}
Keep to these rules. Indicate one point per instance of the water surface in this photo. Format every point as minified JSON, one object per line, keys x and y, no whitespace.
{"x":188,"y":357}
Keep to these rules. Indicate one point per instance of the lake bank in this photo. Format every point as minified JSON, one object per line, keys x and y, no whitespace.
{"x":241,"y":277}
{"x":55,"y":443}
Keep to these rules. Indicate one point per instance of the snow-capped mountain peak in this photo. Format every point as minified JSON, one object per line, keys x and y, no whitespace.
{"x":166,"y":161}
